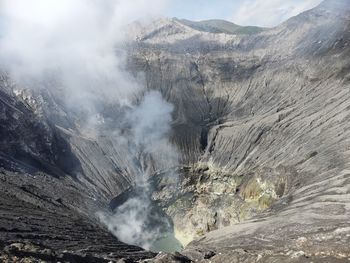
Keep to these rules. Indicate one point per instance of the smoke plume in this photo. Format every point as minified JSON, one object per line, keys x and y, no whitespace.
{"x":73,"y":44}
{"x":137,"y":221}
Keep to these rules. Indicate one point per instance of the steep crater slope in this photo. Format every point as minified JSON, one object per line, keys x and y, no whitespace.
{"x":262,"y":122}
{"x":47,"y":202}
{"x":262,"y":125}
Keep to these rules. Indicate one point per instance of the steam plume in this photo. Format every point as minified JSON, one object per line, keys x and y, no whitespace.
{"x":74,"y":42}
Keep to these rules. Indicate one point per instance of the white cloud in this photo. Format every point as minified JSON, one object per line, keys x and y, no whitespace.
{"x":269,"y":13}
{"x":75,"y":37}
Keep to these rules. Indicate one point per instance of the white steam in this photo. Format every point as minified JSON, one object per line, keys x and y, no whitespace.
{"x":74,"y":42}
{"x":135,"y":221}
{"x":76,"y":39}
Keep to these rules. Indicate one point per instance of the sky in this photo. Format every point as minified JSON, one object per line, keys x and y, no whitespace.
{"x":266,"y":13}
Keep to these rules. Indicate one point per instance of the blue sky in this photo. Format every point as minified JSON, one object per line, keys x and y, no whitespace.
{"x":266,"y":13}
{"x":202,"y":9}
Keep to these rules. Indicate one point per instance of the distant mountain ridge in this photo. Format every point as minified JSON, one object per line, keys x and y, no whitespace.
{"x":220,"y":26}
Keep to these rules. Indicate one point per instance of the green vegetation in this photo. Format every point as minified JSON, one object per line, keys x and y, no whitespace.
{"x":221,"y":26}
